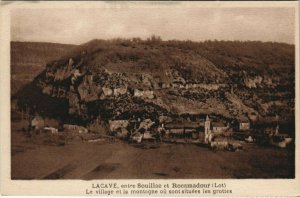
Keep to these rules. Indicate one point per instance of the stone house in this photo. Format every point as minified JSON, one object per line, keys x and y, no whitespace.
{"x":212,"y":129}
{"x":219,"y":127}
{"x":37,"y":123}
{"x":75,"y":128}
{"x":51,"y":130}
{"x":244,"y":125}
{"x":187,"y":130}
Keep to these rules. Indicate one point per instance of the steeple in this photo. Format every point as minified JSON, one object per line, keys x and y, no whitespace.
{"x":207,"y":130}
{"x":207,"y":124}
{"x":207,"y":118}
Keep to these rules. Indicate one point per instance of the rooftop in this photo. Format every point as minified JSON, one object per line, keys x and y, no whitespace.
{"x":181,"y":125}
{"x":218,"y":124}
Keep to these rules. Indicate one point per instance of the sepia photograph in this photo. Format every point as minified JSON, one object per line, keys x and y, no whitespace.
{"x":152,"y":92}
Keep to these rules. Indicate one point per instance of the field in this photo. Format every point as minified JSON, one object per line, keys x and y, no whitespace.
{"x":115,"y":159}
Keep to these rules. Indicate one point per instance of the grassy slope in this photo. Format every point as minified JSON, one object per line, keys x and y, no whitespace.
{"x":206,"y":62}
{"x":29,"y":58}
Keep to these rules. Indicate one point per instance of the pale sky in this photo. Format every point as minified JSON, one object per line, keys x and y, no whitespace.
{"x":80,"y":25}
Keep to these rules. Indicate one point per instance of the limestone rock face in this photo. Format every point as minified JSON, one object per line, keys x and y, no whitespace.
{"x":253,"y":82}
{"x":147,"y":94}
{"x":113,"y":81}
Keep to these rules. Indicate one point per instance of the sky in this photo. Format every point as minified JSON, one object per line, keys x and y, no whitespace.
{"x":79,"y":25}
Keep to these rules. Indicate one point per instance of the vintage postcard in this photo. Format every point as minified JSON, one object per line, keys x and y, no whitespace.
{"x":150,"y":98}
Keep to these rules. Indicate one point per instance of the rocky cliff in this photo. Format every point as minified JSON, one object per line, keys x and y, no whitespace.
{"x":121,"y":79}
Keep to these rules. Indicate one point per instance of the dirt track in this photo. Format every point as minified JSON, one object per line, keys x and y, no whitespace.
{"x":119,"y":160}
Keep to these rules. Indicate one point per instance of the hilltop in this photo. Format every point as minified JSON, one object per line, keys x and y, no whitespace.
{"x":129,"y":78}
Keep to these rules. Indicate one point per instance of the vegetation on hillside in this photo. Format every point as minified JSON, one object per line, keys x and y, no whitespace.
{"x":235,"y":79}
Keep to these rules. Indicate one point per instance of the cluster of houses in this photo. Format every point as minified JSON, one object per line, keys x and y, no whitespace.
{"x":215,"y":134}
{"x":206,"y":132}
{"x":40,"y":124}
{"x":201,"y":132}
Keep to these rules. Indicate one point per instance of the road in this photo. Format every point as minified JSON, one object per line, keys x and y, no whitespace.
{"x":120,"y":160}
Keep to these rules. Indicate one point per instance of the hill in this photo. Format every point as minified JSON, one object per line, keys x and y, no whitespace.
{"x":29,"y":58}
{"x":130,"y":78}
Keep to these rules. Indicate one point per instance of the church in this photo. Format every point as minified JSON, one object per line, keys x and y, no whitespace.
{"x":203,"y":131}
{"x":213,"y":128}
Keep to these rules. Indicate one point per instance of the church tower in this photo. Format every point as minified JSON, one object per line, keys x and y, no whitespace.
{"x":207,"y":130}
{"x":207,"y":124}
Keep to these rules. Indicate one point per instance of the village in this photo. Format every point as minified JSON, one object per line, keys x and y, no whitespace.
{"x":127,"y":99}
{"x":207,"y":132}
